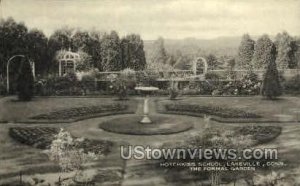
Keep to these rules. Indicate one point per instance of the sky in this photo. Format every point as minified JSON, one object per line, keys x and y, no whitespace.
{"x":173,"y":19}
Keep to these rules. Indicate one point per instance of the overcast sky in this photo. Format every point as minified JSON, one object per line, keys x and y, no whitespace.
{"x":167,"y":18}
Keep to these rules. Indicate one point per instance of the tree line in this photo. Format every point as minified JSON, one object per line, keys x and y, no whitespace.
{"x":106,"y":51}
{"x":254,"y":55}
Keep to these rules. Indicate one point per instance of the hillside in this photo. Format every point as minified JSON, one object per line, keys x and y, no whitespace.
{"x":193,"y":46}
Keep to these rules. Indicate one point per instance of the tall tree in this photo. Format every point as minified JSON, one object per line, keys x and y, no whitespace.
{"x":13,"y":42}
{"x":61,"y":39}
{"x":262,"y":52}
{"x":89,"y":44}
{"x":285,"y":56}
{"x":271,"y":87}
{"x":212,"y":61}
{"x":36,"y":43}
{"x":133,"y":55}
{"x":245,"y":52}
{"x":159,"y":54}
{"x":95,"y":50}
{"x":81,"y":40}
{"x":111,"y":52}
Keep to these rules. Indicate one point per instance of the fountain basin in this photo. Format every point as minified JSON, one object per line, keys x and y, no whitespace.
{"x":131,"y":125}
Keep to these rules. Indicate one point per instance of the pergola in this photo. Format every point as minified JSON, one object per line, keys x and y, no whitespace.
{"x":67,"y":61}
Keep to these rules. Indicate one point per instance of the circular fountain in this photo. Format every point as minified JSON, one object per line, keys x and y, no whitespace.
{"x":146,"y":125}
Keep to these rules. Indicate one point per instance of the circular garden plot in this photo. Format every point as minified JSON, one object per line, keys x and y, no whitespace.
{"x":131,"y":125}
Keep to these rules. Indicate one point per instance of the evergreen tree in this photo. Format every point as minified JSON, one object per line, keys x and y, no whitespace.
{"x":284,"y":43}
{"x":25,"y":81}
{"x":271,"y":87}
{"x":262,"y":53}
{"x":212,"y":61}
{"x":159,"y":54}
{"x":245,"y":52}
{"x":111,"y":52}
{"x":36,"y":43}
{"x":95,"y":50}
{"x":133,"y":55}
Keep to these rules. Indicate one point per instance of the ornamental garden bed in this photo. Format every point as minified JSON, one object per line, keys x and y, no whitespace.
{"x":42,"y":137}
{"x":261,"y":134}
{"x":211,"y":110}
{"x":79,"y":113}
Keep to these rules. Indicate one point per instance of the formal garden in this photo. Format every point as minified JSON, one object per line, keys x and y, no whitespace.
{"x":69,"y":103}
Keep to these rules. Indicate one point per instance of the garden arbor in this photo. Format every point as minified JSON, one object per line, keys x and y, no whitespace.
{"x":7,"y":69}
{"x":67,"y":62}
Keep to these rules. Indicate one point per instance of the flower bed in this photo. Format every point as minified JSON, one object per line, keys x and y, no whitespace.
{"x":211,"y":110}
{"x":42,"y":137}
{"x":72,"y":113}
{"x":261,"y":134}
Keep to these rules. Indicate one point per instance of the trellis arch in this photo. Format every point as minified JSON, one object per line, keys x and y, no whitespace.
{"x":10,"y":60}
{"x":196,"y":62}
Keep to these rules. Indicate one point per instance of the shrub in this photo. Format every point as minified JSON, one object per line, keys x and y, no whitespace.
{"x":25,"y":82}
{"x":293,"y":85}
{"x":123,"y":82}
{"x":2,"y":87}
{"x":70,"y":156}
{"x":248,"y":85}
{"x":147,"y":78}
{"x":212,"y":76}
{"x":271,"y":87}
{"x":173,"y":90}
{"x":87,"y":83}
{"x":64,"y":85}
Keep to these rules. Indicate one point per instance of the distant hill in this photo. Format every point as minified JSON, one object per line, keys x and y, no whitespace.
{"x":192,"y":46}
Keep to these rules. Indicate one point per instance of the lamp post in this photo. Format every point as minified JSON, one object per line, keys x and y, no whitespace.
{"x":7,"y":71}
